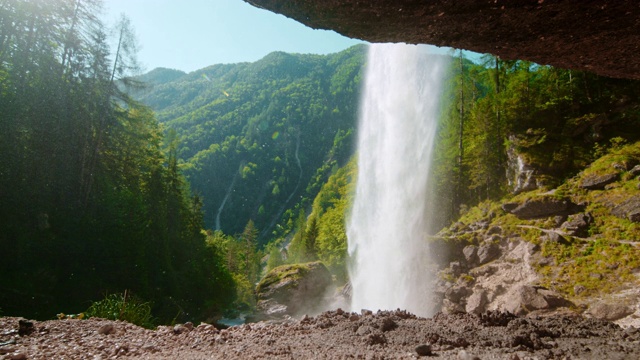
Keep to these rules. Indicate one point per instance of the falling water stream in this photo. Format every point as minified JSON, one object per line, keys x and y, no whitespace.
{"x":390,"y":216}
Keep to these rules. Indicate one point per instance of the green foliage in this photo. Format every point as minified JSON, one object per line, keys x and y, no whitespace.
{"x":274,"y":276}
{"x":332,"y":239}
{"x":264,"y":135}
{"x":123,"y":307}
{"x":92,"y":196}
{"x":598,"y":266}
{"x":557,"y":120}
{"x":275,"y":258}
{"x":242,"y":259}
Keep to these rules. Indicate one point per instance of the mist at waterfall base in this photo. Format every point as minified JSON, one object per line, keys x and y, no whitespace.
{"x":389,"y":222}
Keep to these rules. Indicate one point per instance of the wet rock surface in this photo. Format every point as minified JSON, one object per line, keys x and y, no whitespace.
{"x":331,"y":335}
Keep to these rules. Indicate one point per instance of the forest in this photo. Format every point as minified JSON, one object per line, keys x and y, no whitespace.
{"x":181,"y":190}
{"x":258,"y":139}
{"x":93,"y":201}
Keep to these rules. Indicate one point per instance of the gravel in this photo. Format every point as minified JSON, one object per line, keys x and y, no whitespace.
{"x":330,"y":335}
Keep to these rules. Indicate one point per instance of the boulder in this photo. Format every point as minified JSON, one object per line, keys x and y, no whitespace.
{"x":628,"y":209}
{"x":577,"y":224}
{"x":488,"y":252}
{"x":531,"y":298}
{"x":470,"y":253}
{"x":292,"y":290}
{"x":457,"y":293}
{"x":635,"y":171}
{"x":555,"y":237}
{"x":598,"y":182}
{"x":476,"y":302}
{"x":609,"y":312}
{"x":541,"y":207}
{"x":509,"y":207}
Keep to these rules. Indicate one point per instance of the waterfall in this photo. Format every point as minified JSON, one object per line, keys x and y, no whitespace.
{"x":389,"y":220}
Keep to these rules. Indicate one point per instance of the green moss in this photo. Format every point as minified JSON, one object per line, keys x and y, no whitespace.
{"x":599,"y":266}
{"x":294,"y":271}
{"x":625,"y":155}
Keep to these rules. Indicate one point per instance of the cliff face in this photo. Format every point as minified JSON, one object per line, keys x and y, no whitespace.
{"x":597,"y":36}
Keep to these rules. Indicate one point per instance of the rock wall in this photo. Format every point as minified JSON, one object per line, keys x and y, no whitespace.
{"x":597,"y":36}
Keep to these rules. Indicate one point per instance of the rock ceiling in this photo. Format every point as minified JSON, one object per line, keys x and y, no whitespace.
{"x":598,"y":36}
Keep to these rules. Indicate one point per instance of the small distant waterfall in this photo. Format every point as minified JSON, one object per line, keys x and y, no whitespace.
{"x":389,"y":219}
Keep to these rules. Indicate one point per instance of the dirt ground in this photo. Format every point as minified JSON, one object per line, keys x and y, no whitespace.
{"x":330,"y":335}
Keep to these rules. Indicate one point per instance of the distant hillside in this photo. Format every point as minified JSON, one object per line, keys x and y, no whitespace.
{"x":258,"y":138}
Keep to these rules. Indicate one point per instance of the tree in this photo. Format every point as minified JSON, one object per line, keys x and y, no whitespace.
{"x":250,"y":254}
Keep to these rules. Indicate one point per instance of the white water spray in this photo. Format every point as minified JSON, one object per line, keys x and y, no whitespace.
{"x":389,"y":220}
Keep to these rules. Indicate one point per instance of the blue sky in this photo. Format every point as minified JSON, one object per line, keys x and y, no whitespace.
{"x":192,"y":34}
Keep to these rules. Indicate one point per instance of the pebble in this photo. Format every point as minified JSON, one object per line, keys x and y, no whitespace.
{"x":423,"y":350}
{"x":7,"y":349}
{"x":179,"y":329}
{"x":17,"y":356}
{"x":107,"y":329}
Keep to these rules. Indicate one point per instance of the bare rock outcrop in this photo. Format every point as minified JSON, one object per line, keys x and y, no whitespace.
{"x":609,"y":311}
{"x":596,"y":36}
{"x":292,"y":290}
{"x":598,"y":182}
{"x":505,"y":283}
{"x":541,"y":207}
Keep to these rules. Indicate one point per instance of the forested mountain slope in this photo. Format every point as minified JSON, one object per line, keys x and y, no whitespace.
{"x":258,"y":138}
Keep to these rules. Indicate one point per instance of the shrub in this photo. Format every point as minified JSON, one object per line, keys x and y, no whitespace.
{"x":124,"y":307}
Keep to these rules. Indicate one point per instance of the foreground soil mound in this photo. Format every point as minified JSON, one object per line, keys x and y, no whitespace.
{"x":330,"y":335}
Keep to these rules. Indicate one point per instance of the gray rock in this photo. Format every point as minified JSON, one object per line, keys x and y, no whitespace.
{"x":558,"y":220}
{"x":634,"y":215}
{"x":609,"y":312}
{"x":479,"y":225}
{"x":577,"y":224}
{"x":449,"y":307}
{"x":365,"y":330}
{"x":488,"y":252}
{"x":179,"y":329}
{"x":470,"y":254}
{"x":494,"y":230}
{"x":628,"y":209}
{"x":107,"y":329}
{"x":476,"y":302}
{"x":388,"y":325}
{"x":557,"y":238}
{"x":291,"y":290}
{"x":635,"y":171}
{"x":598,"y":182}
{"x":423,"y":350}
{"x":619,"y":167}
{"x":456,"y":293}
{"x":508,"y":207}
{"x":544,"y":206}
{"x":531,"y":298}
